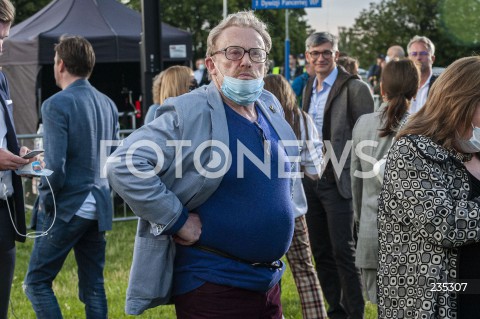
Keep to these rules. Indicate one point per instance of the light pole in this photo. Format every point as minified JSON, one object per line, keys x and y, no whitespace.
{"x":150,"y":49}
{"x":287,"y":49}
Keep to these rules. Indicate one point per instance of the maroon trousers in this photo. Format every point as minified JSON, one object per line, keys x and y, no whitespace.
{"x":211,"y":301}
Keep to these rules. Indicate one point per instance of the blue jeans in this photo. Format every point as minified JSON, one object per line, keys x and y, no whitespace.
{"x":47,"y":258}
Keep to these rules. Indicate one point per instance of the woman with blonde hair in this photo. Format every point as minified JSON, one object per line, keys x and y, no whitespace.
{"x":427,"y":210}
{"x":399,"y":84}
{"x":171,"y":82}
{"x":299,"y":255}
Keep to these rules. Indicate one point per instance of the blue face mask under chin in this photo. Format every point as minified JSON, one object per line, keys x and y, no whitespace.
{"x":242,"y":92}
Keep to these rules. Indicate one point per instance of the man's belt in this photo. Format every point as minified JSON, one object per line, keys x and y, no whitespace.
{"x":273,"y":265}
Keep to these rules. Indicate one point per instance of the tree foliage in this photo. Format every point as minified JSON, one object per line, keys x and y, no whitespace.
{"x":459,"y":19}
{"x":26,"y":8}
{"x":392,"y":22}
{"x":199,"y":17}
{"x":453,"y":25}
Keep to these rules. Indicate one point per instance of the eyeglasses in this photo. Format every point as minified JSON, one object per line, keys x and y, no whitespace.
{"x":235,"y":53}
{"x":421,"y":53}
{"x":327,"y":54}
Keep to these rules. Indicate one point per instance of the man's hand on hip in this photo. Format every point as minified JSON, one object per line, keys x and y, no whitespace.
{"x":190,"y":232}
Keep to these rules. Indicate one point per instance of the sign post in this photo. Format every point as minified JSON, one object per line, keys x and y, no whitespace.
{"x":286,"y":4}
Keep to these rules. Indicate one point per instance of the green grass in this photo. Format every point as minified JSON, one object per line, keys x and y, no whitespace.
{"x":118,"y":261}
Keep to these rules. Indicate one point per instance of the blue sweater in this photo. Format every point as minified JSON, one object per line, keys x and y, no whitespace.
{"x":249,"y":217}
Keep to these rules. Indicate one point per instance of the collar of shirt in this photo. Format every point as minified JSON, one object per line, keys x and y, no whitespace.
{"x":419,"y":100}
{"x":329,"y":80}
{"x":427,"y":82}
{"x":319,"y":99}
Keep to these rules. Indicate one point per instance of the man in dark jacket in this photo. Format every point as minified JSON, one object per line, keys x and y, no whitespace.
{"x":335,"y":99}
{"x":12,"y":211}
{"x":375,"y":71}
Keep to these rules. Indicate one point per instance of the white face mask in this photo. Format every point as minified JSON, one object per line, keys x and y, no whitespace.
{"x":388,"y":59}
{"x":201,"y":67}
{"x":473,"y":144}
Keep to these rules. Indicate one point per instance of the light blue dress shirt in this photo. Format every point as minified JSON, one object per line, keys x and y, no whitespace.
{"x":319,"y":99}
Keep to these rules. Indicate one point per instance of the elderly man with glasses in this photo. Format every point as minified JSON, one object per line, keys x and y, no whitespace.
{"x":421,"y":50}
{"x":335,"y":99}
{"x":211,"y":171}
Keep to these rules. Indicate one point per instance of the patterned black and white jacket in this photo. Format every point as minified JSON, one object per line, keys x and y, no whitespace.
{"x":423,"y":217}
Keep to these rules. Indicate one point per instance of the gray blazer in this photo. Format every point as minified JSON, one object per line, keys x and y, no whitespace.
{"x":349,"y":98}
{"x":196,"y":117}
{"x":365,"y":190}
{"x":159,"y":197}
{"x":75,"y":120}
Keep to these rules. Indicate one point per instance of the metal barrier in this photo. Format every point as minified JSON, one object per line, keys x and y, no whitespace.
{"x":121,"y":211}
{"x":132,"y":116}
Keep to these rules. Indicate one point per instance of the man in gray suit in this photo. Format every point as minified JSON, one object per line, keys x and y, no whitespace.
{"x":75,"y":121}
{"x":335,"y":100}
{"x":209,"y":170}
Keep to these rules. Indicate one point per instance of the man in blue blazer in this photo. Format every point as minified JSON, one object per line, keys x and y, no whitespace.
{"x":76,"y":120}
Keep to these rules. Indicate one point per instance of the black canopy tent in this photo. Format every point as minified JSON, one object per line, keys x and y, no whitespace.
{"x":114,"y":31}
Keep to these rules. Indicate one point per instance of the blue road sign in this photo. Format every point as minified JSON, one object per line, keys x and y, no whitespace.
{"x":286,"y":4}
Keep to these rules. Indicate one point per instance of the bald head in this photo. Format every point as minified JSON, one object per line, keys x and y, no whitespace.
{"x":395,"y":52}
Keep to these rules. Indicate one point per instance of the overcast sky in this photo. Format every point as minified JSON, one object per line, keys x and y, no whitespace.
{"x":335,"y":13}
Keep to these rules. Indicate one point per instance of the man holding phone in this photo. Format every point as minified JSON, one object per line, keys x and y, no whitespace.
{"x":32,"y":153}
{"x":10,"y":184}
{"x":36,"y":167}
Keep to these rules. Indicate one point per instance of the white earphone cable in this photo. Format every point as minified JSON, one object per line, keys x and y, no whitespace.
{"x":36,"y":234}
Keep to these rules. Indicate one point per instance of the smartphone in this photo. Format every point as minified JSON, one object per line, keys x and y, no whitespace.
{"x":32,"y":153}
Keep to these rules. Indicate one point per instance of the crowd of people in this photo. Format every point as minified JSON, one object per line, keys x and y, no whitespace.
{"x":239,"y":167}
